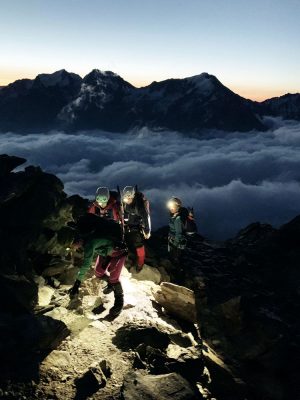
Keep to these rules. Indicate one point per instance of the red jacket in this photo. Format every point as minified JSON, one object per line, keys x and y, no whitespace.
{"x":111,"y":211}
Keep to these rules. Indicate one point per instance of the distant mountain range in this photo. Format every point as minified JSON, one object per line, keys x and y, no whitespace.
{"x":103,"y":100}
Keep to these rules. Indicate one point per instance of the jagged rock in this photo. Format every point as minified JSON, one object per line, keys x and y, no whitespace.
{"x":58,"y":268}
{"x":220,"y":379}
{"x":147,"y":274}
{"x":232,"y":313}
{"x":24,"y":337}
{"x":9,"y":163}
{"x":32,"y":199}
{"x":91,"y":287}
{"x":165,"y":277}
{"x":177,"y":300}
{"x":58,"y":313}
{"x":39,"y":280}
{"x":44,"y":333}
{"x":152,"y":387}
{"x":44,"y":295}
{"x":18,"y":294}
{"x":187,"y":362}
{"x":183,"y":339}
{"x":93,"y":379}
{"x":68,"y":277}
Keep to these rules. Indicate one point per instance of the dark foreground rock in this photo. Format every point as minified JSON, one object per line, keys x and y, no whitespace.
{"x":152,"y":387}
{"x":242,"y":295}
{"x":247,"y":300}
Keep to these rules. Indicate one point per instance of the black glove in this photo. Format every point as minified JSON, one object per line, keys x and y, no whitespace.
{"x":75,"y":289}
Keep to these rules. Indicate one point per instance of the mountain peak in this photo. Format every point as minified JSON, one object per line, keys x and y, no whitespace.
{"x":204,"y":82}
{"x":97,"y":73}
{"x":60,"y":78}
{"x":105,"y":79}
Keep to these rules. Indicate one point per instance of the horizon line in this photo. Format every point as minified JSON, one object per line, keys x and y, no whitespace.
{"x":140,"y":84}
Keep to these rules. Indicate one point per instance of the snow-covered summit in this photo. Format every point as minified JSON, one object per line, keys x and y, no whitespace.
{"x":204,"y":83}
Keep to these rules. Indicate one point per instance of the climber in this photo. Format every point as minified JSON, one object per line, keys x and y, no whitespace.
{"x":102,"y":237}
{"x":176,"y":238}
{"x":106,"y":204}
{"x":137,"y":222}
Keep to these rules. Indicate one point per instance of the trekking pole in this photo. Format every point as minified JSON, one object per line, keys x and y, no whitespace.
{"x":122,"y":214}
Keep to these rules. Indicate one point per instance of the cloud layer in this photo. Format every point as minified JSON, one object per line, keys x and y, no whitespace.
{"x":231,"y":180}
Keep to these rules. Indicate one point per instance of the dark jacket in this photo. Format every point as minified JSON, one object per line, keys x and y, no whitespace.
{"x":137,"y":214}
{"x":176,"y":230}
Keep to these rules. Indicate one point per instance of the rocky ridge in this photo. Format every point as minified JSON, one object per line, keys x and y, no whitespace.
{"x":222,"y":324}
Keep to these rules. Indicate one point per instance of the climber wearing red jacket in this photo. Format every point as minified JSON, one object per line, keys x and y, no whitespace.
{"x":106,"y":205}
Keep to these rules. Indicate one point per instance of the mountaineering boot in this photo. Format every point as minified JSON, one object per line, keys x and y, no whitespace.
{"x":108,"y":288}
{"x":119,"y":300}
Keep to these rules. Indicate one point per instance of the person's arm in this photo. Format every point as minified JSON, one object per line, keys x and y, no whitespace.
{"x":145,"y":215}
{"x":92,"y":209}
{"x":104,"y":247}
{"x":178,"y":230}
{"x":89,"y":249}
{"x":117,"y":212}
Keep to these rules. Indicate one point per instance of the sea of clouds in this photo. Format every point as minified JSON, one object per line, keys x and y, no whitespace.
{"x":231,"y":180}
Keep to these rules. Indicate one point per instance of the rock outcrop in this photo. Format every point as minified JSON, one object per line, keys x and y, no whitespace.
{"x":225,"y":326}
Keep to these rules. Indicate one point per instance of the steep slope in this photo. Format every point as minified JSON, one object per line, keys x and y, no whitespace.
{"x":287,"y":106}
{"x":32,"y":105}
{"x":99,"y":103}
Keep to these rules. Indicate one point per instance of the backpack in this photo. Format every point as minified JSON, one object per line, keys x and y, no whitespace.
{"x":141,"y":203}
{"x":188,"y":221}
{"x":92,"y":225}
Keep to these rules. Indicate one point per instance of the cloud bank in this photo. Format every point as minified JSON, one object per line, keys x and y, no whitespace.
{"x":231,"y":180}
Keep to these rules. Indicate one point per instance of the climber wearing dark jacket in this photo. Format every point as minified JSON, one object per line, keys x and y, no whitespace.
{"x":101,"y":237}
{"x":176,"y":237}
{"x":137,"y":222}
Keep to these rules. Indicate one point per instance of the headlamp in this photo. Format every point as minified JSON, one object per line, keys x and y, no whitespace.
{"x":171,"y":204}
{"x":101,"y":199}
{"x":127,"y":199}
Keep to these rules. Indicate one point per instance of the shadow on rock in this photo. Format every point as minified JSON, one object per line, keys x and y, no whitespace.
{"x":128,"y":337}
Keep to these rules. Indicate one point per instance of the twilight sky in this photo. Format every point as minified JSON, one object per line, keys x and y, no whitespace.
{"x":251,"y":46}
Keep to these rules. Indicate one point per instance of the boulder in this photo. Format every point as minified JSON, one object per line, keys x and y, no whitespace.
{"x":9,"y":163}
{"x":139,"y":386}
{"x":177,"y":300}
{"x":147,"y":274}
{"x":93,"y":379}
{"x":44,"y":295}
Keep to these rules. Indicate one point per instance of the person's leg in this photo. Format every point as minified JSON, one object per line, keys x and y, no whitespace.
{"x":101,"y":266}
{"x":138,"y":240}
{"x":129,"y":240}
{"x":140,"y":251}
{"x":115,"y":266}
{"x":119,"y":299}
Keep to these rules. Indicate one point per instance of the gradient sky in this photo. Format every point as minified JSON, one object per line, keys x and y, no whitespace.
{"x":251,"y":46}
